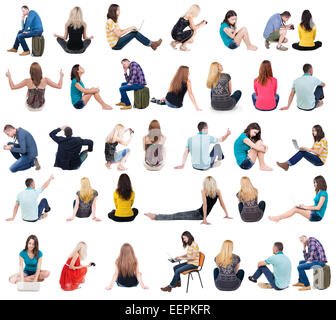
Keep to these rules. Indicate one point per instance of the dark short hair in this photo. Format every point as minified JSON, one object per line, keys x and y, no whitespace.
{"x":286,"y":14}
{"x":201,"y":126}
{"x":8,"y":126}
{"x":68,"y":132}
{"x":279,"y":246}
{"x":306,"y":68}
{"x":124,"y":60}
{"x":29,"y":182}
{"x":25,"y":7}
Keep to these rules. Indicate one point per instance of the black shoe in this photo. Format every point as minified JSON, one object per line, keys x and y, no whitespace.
{"x":252,"y":279}
{"x":153,"y":100}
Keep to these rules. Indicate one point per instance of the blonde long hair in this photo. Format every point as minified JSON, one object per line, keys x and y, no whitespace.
{"x":76,"y":18}
{"x":210,"y":187}
{"x":81,"y":249}
{"x":247,"y":192}
{"x":214,"y":75}
{"x":117,"y":134}
{"x":86,"y":192}
{"x":193,"y":11}
{"x":127,"y":262}
{"x":224,"y":257}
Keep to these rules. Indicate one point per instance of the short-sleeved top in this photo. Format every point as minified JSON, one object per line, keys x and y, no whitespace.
{"x":266,"y":94}
{"x":29,"y":204}
{"x":304,"y":88}
{"x":76,"y":95}
{"x":282,"y":269}
{"x":30,"y":264}
{"x":241,"y":148}
{"x":220,"y":95}
{"x":199,"y":149}
{"x":112,"y":38}
{"x":322,"y":210}
{"x":123,"y":207}
{"x":75,"y":37}
{"x":274,"y":23}
{"x":226,"y":39}
{"x":306,"y":37}
{"x":323,"y":143}
{"x":210,"y":204}
{"x":176,"y":99}
{"x":85,"y":208}
{"x":227,"y":278}
{"x":193,"y":249}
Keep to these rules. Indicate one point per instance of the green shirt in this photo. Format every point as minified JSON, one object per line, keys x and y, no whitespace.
{"x":282,"y":269}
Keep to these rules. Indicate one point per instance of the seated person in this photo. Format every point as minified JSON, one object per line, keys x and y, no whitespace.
{"x":210,"y":195}
{"x":231,"y":36}
{"x":73,"y":273}
{"x":307,"y":33}
{"x":113,"y":139}
{"x":85,"y":203}
{"x":31,"y":27}
{"x":282,"y":269}
{"x":30,"y":264}
{"x":220,"y":84}
{"x":36,"y":86}
{"x":313,"y":213}
{"x":75,"y":29}
{"x":249,"y":147}
{"x":153,"y":144}
{"x":192,"y":258}
{"x":249,"y":208}
{"x":30,"y":209}
{"x":265,"y":97}
{"x":123,"y":200}
{"x":199,"y":145}
{"x":127,"y":272}
{"x":69,"y":155}
{"x":308,"y":90}
{"x":317,"y":155}
{"x":227,"y":275}
{"x":177,"y":90}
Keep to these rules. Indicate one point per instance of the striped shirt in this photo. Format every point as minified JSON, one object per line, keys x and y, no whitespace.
{"x":323,"y":143}
{"x":112,"y":38}
{"x":136,"y":75}
{"x":192,"y":250}
{"x":315,"y":251}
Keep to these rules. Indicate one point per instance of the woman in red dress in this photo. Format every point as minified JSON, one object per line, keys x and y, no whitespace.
{"x":73,"y":273}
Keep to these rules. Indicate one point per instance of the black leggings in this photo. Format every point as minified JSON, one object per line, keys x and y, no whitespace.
{"x":113,"y":217}
{"x":318,"y":44}
{"x":64,"y":44}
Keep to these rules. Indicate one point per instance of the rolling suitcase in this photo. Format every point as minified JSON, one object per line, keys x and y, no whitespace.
{"x":322,"y":277}
{"x":38,"y":46}
{"x":141,"y":98}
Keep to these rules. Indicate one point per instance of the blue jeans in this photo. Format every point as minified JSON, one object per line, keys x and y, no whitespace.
{"x":240,"y":274}
{"x":216,"y":153}
{"x":178,"y":269}
{"x":83,"y":156}
{"x":268,"y":274}
{"x":236,"y":95}
{"x":126,"y":87}
{"x":312,"y":158}
{"x":20,"y":39}
{"x":124,"y":40}
{"x":23,"y":162}
{"x":319,"y":95}
{"x":255,"y":97}
{"x":171,"y":105}
{"x":42,"y":207}
{"x":303,"y":265}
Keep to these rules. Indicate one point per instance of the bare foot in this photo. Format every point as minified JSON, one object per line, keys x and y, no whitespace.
{"x":121,"y":168}
{"x":274,"y":219}
{"x":173,"y":44}
{"x":106,"y":107}
{"x":150,"y":215}
{"x":184,"y":48}
{"x":252,"y":48}
{"x":266,"y":168}
{"x":108,"y":165}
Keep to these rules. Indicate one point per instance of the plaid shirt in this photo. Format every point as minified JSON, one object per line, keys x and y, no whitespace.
{"x":136,"y":75}
{"x":315,"y":251}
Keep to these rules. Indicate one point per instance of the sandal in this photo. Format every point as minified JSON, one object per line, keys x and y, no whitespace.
{"x":183,"y":48}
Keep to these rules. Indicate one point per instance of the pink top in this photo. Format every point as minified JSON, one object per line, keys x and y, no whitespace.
{"x":266,"y":94}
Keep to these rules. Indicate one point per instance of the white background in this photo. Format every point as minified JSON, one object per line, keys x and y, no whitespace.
{"x":169,"y":190}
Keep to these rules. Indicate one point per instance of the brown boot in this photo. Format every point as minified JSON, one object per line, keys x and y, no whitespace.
{"x":299,"y":284}
{"x":12,"y":50}
{"x":167,"y":289}
{"x":25,"y":53}
{"x":154,"y":45}
{"x":283,"y":165}
{"x":305,"y":288}
{"x":178,"y":284}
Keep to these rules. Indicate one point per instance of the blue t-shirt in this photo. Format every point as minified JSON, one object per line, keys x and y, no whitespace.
{"x":28,"y":200}
{"x":30,"y":264}
{"x":274,"y":23}
{"x":321,"y":212}
{"x":226,"y":39}
{"x":282,"y":269}
{"x":241,"y":148}
{"x":76,"y":95}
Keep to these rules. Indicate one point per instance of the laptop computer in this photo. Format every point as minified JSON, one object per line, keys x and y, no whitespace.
{"x":296,"y":145}
{"x":28,"y":286}
{"x":141,"y":25}
{"x":171,"y":259}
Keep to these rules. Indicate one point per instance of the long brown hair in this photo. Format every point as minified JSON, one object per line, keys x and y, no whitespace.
{"x":36,"y":245}
{"x":180,"y":77}
{"x":124,"y":188}
{"x":265,"y":72}
{"x":190,"y":239}
{"x":127,"y":262}
{"x":321,"y":184}
{"x":154,"y":131}
{"x":319,"y":133}
{"x":112,"y":12}
{"x":36,"y":73}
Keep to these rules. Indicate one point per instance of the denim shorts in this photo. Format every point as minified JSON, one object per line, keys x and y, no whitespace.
{"x":79,"y":104}
{"x":29,"y":273}
{"x":247,"y":164}
{"x":120,"y":154}
{"x":233,"y":45}
{"x":171,"y":105}
{"x":315,"y":217}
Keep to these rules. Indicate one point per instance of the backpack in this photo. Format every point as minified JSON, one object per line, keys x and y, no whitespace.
{"x":322,"y":277}
{"x":38,"y":46}
{"x":154,"y":155}
{"x":141,"y":98}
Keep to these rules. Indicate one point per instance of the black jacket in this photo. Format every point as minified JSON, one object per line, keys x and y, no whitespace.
{"x":67,"y":156}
